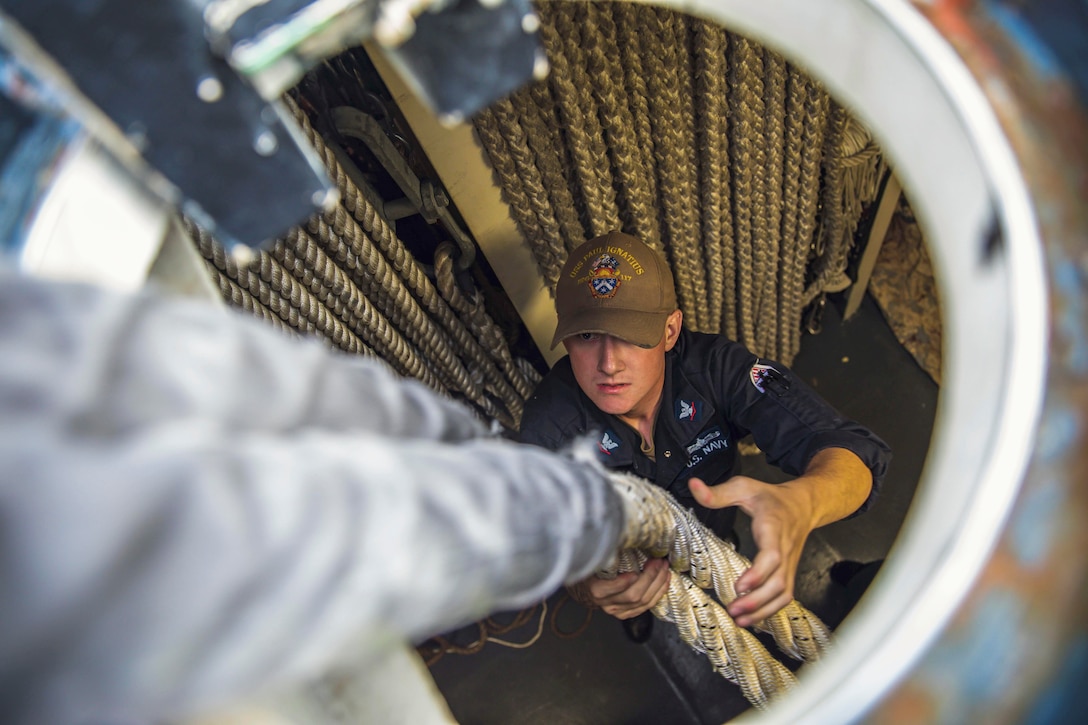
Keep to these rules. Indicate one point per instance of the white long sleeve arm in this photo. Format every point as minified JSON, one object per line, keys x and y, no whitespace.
{"x":194,"y":508}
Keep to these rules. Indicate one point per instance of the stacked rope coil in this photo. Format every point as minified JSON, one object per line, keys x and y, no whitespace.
{"x":579,"y":112}
{"x":529,"y":201}
{"x":635,"y":196}
{"x":703,"y":143}
{"x":346,"y":277}
{"x":475,"y":317}
{"x":717,"y":228}
{"x":657,"y":526}
{"x":402,"y":278}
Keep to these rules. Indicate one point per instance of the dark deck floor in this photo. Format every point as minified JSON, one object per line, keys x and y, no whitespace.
{"x":602,"y":677}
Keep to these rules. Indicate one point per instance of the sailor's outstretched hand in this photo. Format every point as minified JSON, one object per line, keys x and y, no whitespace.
{"x":780,"y":524}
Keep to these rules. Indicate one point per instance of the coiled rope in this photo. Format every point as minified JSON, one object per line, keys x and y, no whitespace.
{"x":657,"y":526}
{"x":475,"y":317}
{"x":404,"y":285}
{"x":347,"y":278}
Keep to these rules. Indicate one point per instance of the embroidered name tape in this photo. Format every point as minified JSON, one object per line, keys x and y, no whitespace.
{"x":709,"y":442}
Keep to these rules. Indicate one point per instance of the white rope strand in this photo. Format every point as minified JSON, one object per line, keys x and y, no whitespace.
{"x":657,"y":526}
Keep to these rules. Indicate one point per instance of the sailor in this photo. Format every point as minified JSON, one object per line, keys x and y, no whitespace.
{"x":670,"y":405}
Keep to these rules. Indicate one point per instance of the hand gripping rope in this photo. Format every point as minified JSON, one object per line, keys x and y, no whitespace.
{"x":657,"y":526}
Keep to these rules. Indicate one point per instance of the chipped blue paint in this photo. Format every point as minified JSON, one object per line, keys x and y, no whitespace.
{"x":1059,"y":430}
{"x":1025,"y":37}
{"x":991,"y":662}
{"x":977,"y":664}
{"x":1033,"y":529}
{"x":1065,"y":699}
{"x":1070,"y":284}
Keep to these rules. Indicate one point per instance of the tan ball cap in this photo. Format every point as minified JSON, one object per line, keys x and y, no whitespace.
{"x":615,"y":285}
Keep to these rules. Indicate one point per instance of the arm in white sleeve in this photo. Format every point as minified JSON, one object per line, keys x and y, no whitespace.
{"x":174,"y":562}
{"x":115,"y":363}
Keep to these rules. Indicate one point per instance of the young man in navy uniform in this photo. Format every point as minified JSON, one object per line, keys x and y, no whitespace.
{"x":670,"y":405}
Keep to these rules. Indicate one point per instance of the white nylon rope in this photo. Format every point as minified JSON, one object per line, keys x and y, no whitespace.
{"x":657,"y":526}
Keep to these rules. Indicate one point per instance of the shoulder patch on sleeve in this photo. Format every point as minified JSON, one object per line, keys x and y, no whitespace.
{"x":767,"y":377}
{"x":760,"y":374}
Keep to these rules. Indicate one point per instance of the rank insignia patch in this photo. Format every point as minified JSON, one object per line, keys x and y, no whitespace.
{"x":688,"y":410}
{"x":608,"y":443}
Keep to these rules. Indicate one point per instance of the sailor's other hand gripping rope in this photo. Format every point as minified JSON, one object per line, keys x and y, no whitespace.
{"x":657,"y":526}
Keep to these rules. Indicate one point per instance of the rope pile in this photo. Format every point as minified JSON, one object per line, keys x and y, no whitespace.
{"x":703,"y":143}
{"x":657,"y":526}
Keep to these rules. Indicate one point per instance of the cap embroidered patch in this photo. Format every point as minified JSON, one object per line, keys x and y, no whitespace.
{"x":603,"y":282}
{"x":614,"y":284}
{"x":688,"y":410}
{"x":759,"y":375}
{"x":608,"y":443}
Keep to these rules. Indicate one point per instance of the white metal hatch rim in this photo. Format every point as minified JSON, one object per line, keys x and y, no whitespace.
{"x":892,"y":68}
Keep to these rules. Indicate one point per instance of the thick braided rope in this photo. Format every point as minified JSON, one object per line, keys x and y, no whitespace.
{"x":262,"y":293}
{"x":625,"y":18}
{"x":346,"y":242}
{"x":418,"y":326}
{"x":273,"y":273}
{"x":366,"y":227}
{"x":363,"y":228}
{"x":711,"y":114}
{"x":792,"y":248}
{"x":830,"y":262}
{"x":452,"y":338}
{"x":528,"y":169}
{"x":405,"y":316}
{"x":243,"y":300}
{"x":674,"y":150}
{"x":836,"y":239}
{"x":817,"y":103}
{"x":764,"y":251}
{"x":761,"y":263}
{"x":229,"y":288}
{"x":539,"y":115}
{"x":326,"y":295}
{"x":299,"y":253}
{"x":657,"y":526}
{"x":730,"y":322}
{"x":774,"y":109}
{"x":476,"y":318}
{"x":690,"y":236}
{"x":267,"y":279}
{"x":571,"y":84}
{"x":742,"y":164}
{"x":549,"y":255}
{"x":863,"y":166}
{"x":603,"y":59}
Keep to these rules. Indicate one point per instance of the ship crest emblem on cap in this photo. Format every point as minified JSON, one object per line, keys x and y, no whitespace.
{"x":603,"y":281}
